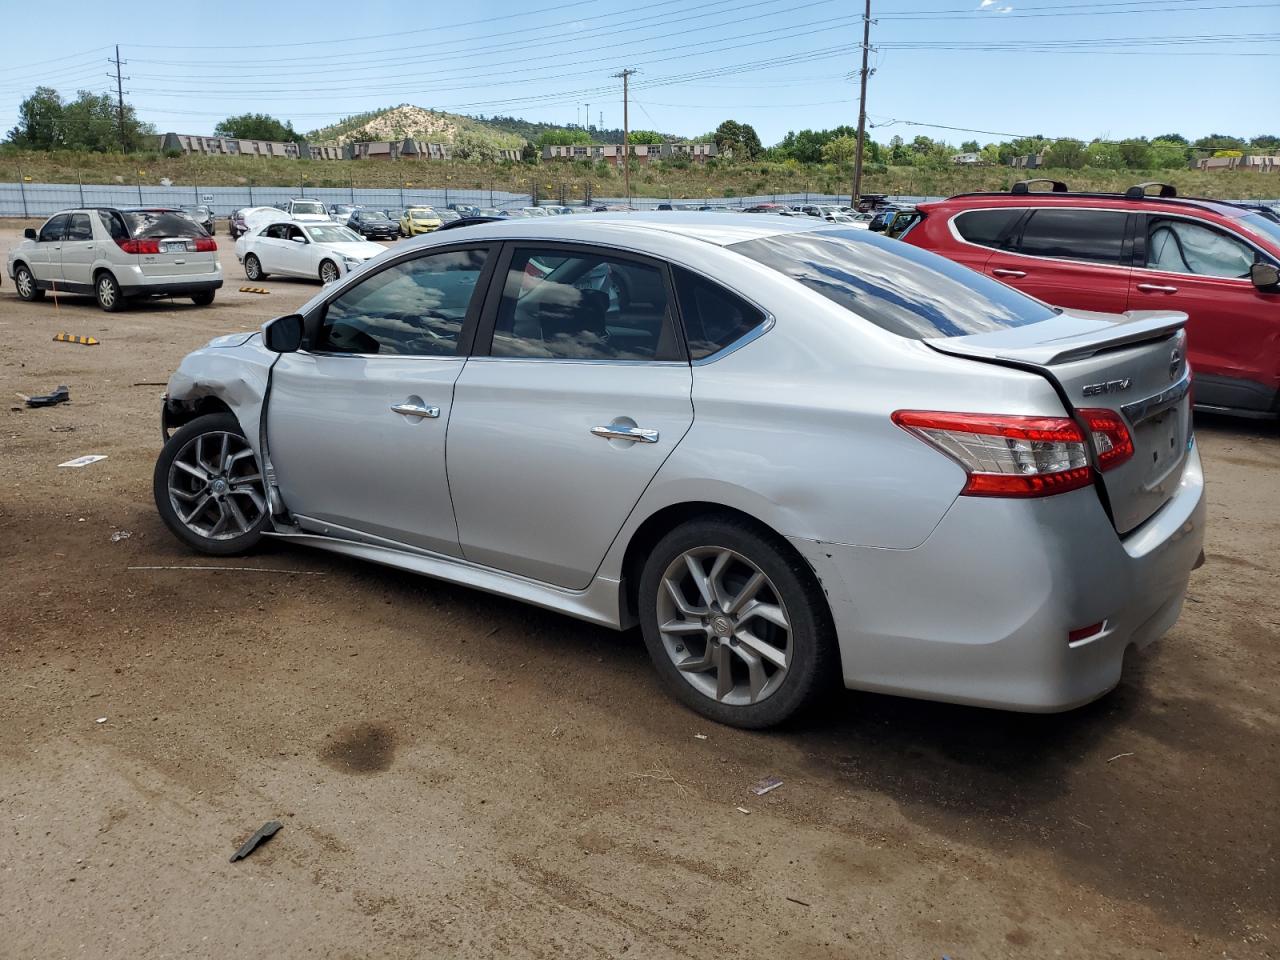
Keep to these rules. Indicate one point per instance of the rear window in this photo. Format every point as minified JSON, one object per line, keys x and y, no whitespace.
{"x":146,"y":224}
{"x":713,"y":317}
{"x":307,"y":207}
{"x":986,"y":228}
{"x":896,"y":286}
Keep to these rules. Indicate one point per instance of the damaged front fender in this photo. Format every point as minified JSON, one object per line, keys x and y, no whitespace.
{"x":231,"y":373}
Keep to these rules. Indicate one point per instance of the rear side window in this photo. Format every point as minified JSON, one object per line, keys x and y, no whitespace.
{"x":79,"y":227}
{"x":1093,"y":235}
{"x":114,"y":224}
{"x":898,"y":287}
{"x":987,"y":228}
{"x":55,"y":229}
{"x":713,"y":317}
{"x":149,"y":224}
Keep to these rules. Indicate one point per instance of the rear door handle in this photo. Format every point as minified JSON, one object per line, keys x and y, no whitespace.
{"x":1002,"y":272}
{"x":1156,"y":288}
{"x":618,"y":431}
{"x":415,"y":410}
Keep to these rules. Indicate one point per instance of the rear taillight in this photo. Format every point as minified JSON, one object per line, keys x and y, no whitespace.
{"x":139,"y":246}
{"x":1006,"y":456}
{"x":1111,"y":440}
{"x":206,"y":245}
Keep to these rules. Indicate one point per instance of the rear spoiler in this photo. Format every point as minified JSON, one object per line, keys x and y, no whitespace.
{"x":1137,"y":326}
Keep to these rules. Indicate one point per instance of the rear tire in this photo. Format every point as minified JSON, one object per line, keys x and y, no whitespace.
{"x":107,"y":292}
{"x":253,"y":268}
{"x":202,"y":299}
{"x":208,"y":487}
{"x":761,"y":648}
{"x":26,"y":284}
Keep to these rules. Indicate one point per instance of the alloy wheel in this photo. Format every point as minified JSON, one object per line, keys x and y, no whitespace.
{"x":251,"y":267}
{"x":106,"y":292}
{"x":26,"y":285}
{"x":328,"y":272}
{"x":215,"y":487}
{"x":724,"y":625}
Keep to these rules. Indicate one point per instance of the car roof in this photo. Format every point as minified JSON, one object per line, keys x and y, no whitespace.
{"x":1069,"y":198}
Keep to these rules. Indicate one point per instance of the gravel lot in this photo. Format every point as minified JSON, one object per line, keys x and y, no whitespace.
{"x":463,"y":776}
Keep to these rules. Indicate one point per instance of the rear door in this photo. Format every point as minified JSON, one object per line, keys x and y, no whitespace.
{"x":79,"y":250}
{"x":45,"y":259}
{"x":1182,"y":263}
{"x":1068,"y":257}
{"x":579,"y":390}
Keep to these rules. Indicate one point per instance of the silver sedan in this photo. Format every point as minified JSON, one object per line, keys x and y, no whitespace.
{"x":795,"y":454}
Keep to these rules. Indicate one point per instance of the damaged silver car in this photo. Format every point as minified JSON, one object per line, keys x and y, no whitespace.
{"x":796,"y":454}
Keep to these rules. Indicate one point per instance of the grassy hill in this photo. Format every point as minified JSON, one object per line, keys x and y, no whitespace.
{"x":408,"y":121}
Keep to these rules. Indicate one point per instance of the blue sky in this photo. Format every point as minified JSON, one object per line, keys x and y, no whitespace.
{"x":1082,"y":68}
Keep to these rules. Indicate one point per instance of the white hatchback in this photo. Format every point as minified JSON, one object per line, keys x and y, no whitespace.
{"x":323,"y":251}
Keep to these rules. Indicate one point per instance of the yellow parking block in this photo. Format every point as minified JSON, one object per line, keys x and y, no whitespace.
{"x":254,"y":290}
{"x":68,"y":338}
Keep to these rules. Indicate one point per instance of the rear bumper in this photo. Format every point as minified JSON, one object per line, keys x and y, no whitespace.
{"x":981,"y":611}
{"x":184,"y":288}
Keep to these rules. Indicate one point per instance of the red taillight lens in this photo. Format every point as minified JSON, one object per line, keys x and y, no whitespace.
{"x":1084,"y":633}
{"x":1006,"y":456}
{"x":1111,"y":437}
{"x":139,"y":246}
{"x":206,"y":245}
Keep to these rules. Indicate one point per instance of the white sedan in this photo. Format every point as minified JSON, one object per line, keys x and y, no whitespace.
{"x":324,"y":251}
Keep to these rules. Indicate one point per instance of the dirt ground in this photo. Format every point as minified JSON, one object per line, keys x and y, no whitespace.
{"x":463,"y":776}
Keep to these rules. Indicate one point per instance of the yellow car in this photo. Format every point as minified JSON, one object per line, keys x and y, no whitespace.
{"x":416,"y":220}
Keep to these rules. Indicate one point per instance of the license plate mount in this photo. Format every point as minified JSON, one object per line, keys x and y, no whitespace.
{"x":174,"y":246}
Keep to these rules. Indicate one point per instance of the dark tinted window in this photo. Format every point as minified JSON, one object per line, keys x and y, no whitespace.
{"x":55,"y":229}
{"x":713,"y":317}
{"x":79,"y":227}
{"x":582,"y":306}
{"x":114,"y":224}
{"x":1093,"y":235}
{"x":902,"y":288}
{"x":987,"y":228}
{"x":414,"y":308}
{"x":145,"y":224}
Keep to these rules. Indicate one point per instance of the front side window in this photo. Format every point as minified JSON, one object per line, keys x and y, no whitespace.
{"x":1093,"y":235}
{"x":987,"y":228}
{"x":55,"y":229}
{"x":413,"y":308}
{"x":582,"y":306}
{"x":79,"y":227}
{"x":1180,"y":246}
{"x":713,"y":317}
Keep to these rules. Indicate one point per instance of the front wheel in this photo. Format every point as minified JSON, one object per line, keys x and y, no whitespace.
{"x":209,"y":488}
{"x":736,"y":623}
{"x":253,"y":268}
{"x":328,"y":272}
{"x":108,"y":294}
{"x":26,"y":284}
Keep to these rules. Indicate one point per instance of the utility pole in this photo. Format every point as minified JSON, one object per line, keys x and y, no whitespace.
{"x":588,"y":118}
{"x":124,"y":141}
{"x":862,"y":107}
{"x":626,"y":134}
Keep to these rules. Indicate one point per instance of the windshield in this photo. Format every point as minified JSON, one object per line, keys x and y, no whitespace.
{"x":308,"y":206}
{"x":423,"y":213}
{"x":373,"y":215}
{"x":145,"y":224}
{"x":334,"y":234}
{"x":901,"y":288}
{"x":1262,"y":225}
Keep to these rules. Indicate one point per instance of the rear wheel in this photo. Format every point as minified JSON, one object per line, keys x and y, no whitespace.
{"x":328,"y":271}
{"x":208,"y":487}
{"x":202,"y":299}
{"x":252,"y":268}
{"x":736,"y":623}
{"x":107,"y":292}
{"x":26,"y":284}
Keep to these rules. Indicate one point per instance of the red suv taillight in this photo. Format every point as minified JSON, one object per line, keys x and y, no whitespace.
{"x":206,"y":245}
{"x":1011,"y":456}
{"x":139,"y":246}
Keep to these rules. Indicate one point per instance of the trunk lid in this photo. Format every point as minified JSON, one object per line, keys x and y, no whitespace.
{"x":1133,"y":364}
{"x":178,"y":257}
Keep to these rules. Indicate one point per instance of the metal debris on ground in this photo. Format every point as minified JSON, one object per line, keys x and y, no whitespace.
{"x":700,"y":736}
{"x":765,"y":785}
{"x":71,"y":338}
{"x":254,"y":290}
{"x":101,"y":720}
{"x":265,"y":833}
{"x":742,"y":809}
{"x":801,"y":902}
{"x":85,"y":460}
{"x":1119,"y":755}
{"x":61,"y":395}
{"x":120,"y":535}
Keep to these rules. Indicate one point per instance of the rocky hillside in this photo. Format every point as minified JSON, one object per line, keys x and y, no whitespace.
{"x":408,"y":121}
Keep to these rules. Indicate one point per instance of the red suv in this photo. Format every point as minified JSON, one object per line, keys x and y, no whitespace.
{"x":1218,"y":262}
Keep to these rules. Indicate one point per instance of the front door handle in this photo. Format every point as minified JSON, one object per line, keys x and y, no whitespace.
{"x":1002,"y":272}
{"x":415,"y":410}
{"x":1156,"y":288}
{"x":618,"y":431}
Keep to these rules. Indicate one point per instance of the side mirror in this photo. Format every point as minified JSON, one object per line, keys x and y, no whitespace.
{"x":283,"y":334}
{"x":298,"y":239}
{"x":876,"y":226}
{"x":1265,"y":276}
{"x":29,"y":233}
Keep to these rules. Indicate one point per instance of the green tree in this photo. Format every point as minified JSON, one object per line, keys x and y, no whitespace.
{"x":472,"y":146}
{"x":558,"y":138}
{"x":970,"y":146}
{"x":1065,"y":155}
{"x":1167,"y":154}
{"x":898,"y":155}
{"x":1267,"y":142}
{"x":840,"y":150}
{"x":739,"y":138}
{"x":256,"y":126}
{"x":1104,"y":156}
{"x":1219,"y":141}
{"x":89,"y":122}
{"x":645,"y":136}
{"x":1173,"y":138}
{"x":1136,"y":154}
{"x":39,"y":121}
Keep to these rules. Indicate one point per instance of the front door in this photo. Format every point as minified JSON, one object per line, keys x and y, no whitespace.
{"x":582,"y":391}
{"x":356,"y":421}
{"x":271,"y":248}
{"x":79,"y":251}
{"x":46,"y":257}
{"x":297,"y":254}
{"x":1068,"y":257}
{"x":1202,"y":270}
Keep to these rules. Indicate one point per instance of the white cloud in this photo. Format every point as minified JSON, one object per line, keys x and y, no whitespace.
{"x":985,"y":4}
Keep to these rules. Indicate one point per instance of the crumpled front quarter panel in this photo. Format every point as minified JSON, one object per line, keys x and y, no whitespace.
{"x":236,"y":374}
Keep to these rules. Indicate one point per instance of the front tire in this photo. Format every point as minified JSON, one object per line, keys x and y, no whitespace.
{"x":328,"y":272}
{"x":107,"y":292}
{"x":26,"y":284}
{"x":253,"y":268}
{"x":209,"y":489}
{"x":736,"y":623}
